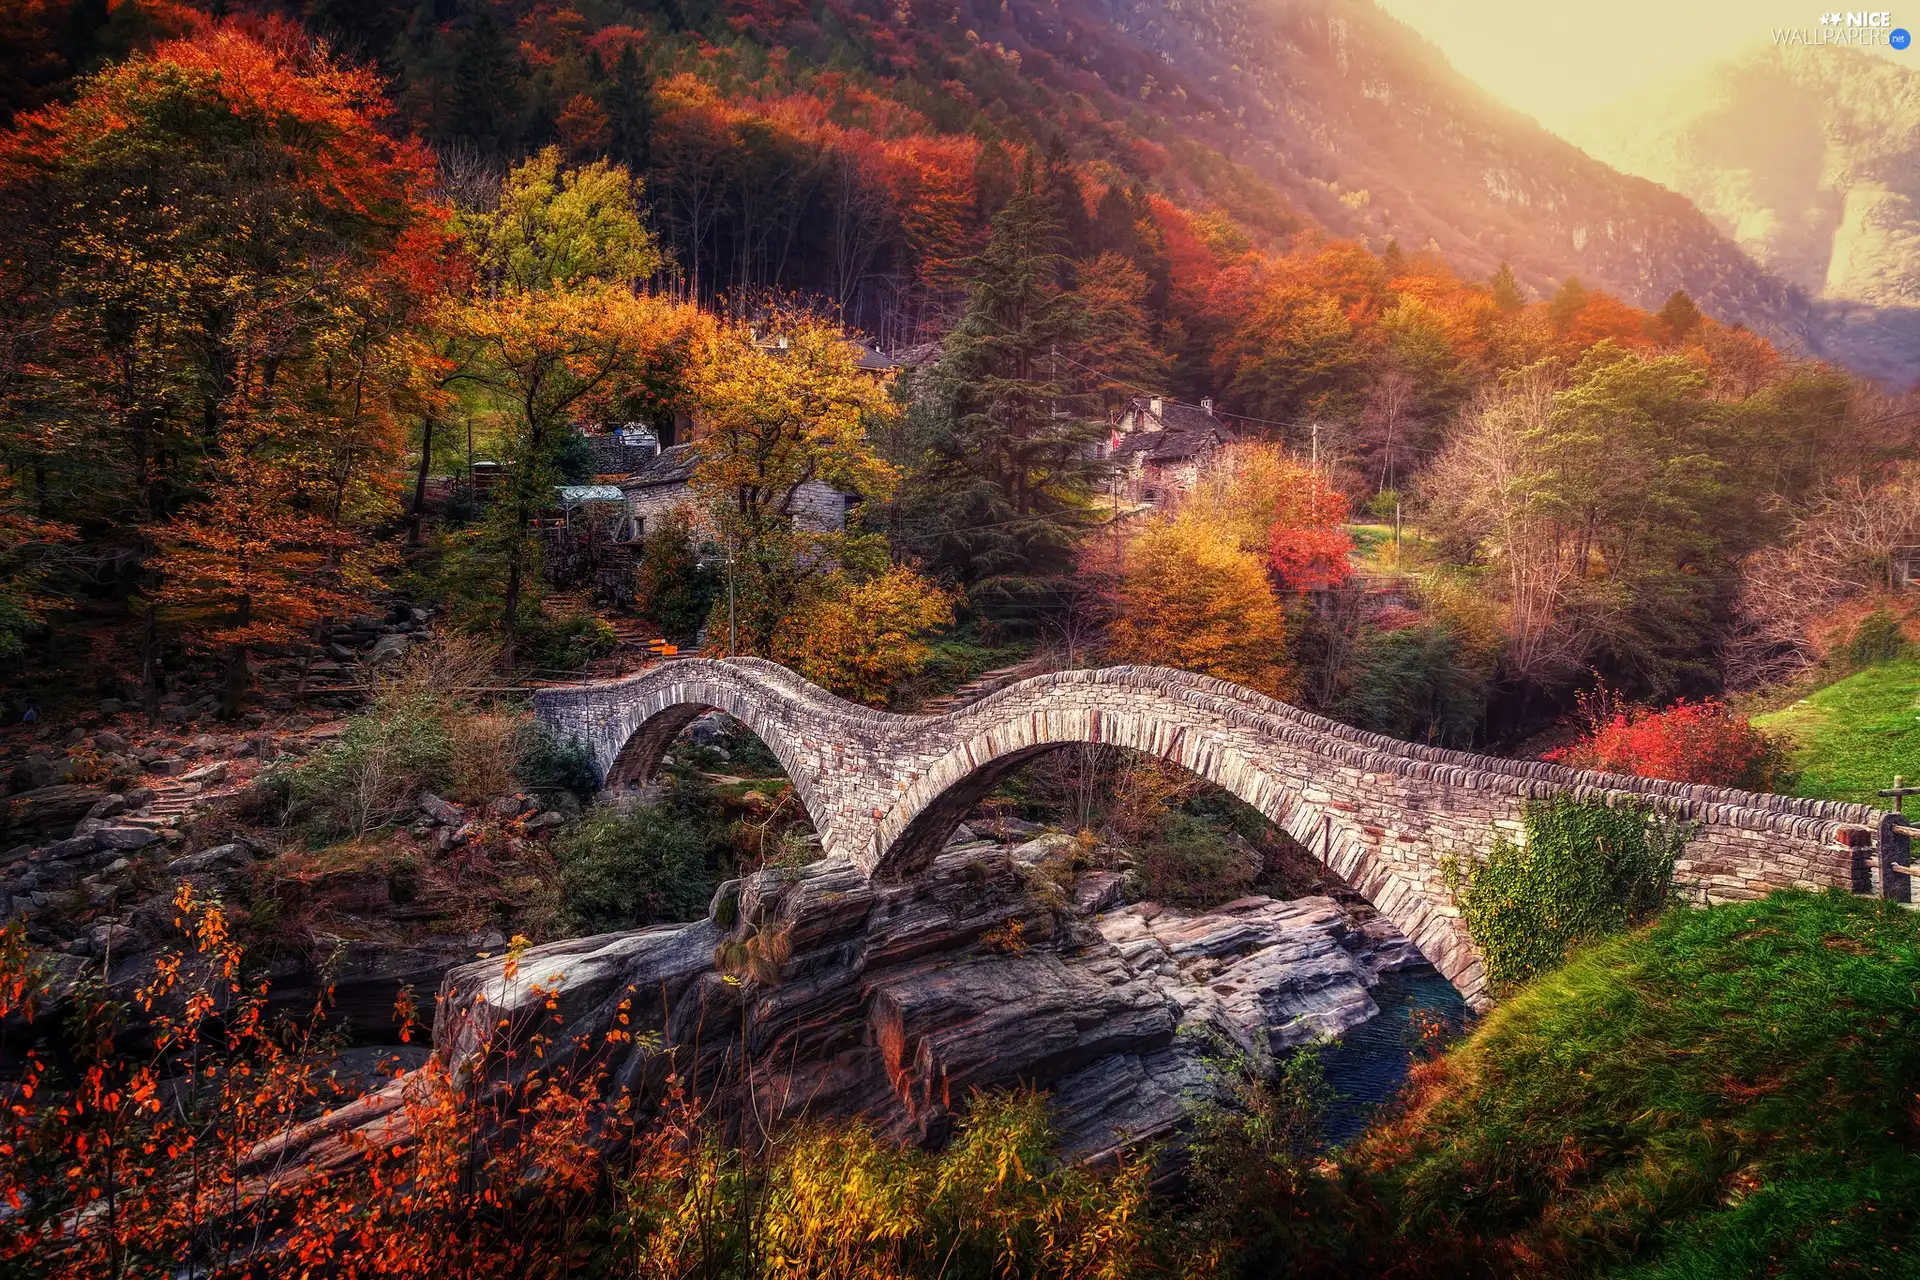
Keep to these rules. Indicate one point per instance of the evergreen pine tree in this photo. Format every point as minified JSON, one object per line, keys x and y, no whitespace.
{"x":1009,"y":471}
{"x":1506,"y":291}
{"x":1113,"y":229}
{"x":487,"y":94}
{"x":628,"y":102}
{"x":1680,"y":316}
{"x":1065,"y":203}
{"x":1566,"y":304}
{"x":1393,"y":259}
{"x":1150,"y":252}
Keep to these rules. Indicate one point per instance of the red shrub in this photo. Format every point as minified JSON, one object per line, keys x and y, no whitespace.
{"x":1701,"y":742}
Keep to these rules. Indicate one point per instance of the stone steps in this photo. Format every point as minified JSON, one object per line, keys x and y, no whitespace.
{"x":983,"y":684}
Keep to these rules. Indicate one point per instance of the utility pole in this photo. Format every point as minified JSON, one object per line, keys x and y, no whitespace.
{"x":1314,"y":427}
{"x":731,"y":639}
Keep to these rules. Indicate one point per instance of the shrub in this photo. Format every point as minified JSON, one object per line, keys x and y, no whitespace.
{"x":1419,"y":683}
{"x":842,"y":1201}
{"x":1876,"y":638}
{"x":1697,"y":742}
{"x":371,"y":774}
{"x":1189,"y":862}
{"x":565,"y":642}
{"x":549,"y":763}
{"x":1258,"y":1205}
{"x":424,"y":730}
{"x":1585,"y":870}
{"x":624,"y":870}
{"x":671,"y":585}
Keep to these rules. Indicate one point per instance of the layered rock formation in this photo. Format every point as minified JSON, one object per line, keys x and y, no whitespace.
{"x":822,"y":994}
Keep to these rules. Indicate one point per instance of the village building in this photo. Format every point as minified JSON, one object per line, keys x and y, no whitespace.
{"x":1159,"y":445}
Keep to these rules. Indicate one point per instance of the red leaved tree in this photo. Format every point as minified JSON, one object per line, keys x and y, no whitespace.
{"x":1698,"y":742}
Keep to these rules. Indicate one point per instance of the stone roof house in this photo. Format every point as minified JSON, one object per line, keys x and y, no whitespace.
{"x":665,"y":484}
{"x":1158,"y":446}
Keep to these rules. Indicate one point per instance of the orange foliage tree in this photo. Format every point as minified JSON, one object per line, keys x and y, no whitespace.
{"x":1190,"y":597}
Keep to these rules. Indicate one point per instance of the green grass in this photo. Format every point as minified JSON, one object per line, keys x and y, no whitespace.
{"x":1729,"y":1092}
{"x":1851,"y":737}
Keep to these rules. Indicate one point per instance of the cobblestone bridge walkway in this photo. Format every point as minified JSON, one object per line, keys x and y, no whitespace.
{"x":886,"y":790}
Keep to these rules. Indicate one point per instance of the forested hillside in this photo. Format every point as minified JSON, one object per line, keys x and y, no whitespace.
{"x":262,"y":293}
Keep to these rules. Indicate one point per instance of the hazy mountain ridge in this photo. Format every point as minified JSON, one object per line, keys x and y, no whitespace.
{"x":1363,"y":124}
{"x":1809,"y":158}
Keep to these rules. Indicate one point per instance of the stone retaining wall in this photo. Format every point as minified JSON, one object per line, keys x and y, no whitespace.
{"x":887,"y":790}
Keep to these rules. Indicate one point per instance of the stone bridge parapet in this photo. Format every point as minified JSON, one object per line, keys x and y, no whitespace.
{"x":886,"y":790}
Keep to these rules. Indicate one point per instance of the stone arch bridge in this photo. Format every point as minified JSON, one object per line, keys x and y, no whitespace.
{"x":886,"y":790}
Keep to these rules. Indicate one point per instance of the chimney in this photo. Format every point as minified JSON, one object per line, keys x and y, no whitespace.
{"x":1206,"y":402}
{"x":1155,"y":405}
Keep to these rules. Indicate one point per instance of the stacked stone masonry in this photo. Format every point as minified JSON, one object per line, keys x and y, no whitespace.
{"x":886,"y":790}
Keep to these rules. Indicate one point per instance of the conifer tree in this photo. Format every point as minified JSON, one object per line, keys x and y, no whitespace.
{"x":1506,"y":291}
{"x":1566,"y":304}
{"x":628,"y":102}
{"x":1010,"y":475}
{"x":1680,"y":316}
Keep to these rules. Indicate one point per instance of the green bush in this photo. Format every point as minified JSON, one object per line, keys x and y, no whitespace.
{"x":1418,"y":683}
{"x":549,"y":763}
{"x":624,"y":870}
{"x":1586,"y":869}
{"x":1876,"y":638}
{"x":371,"y":774}
{"x":1257,"y":1206}
{"x":1190,"y":862}
{"x":671,"y":585}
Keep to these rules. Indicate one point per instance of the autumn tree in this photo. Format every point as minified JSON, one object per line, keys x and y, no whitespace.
{"x":778,"y":422}
{"x":860,"y":637}
{"x":555,"y":335}
{"x":228,"y":261}
{"x":1191,"y":598}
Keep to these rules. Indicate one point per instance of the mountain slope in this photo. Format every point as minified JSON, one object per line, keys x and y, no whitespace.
{"x":1810,"y":159}
{"x":1357,"y":120}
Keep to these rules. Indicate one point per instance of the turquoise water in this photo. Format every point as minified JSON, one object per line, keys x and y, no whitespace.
{"x":1367,"y":1065}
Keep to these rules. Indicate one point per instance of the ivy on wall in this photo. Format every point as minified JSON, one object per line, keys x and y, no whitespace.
{"x":1586,"y":869}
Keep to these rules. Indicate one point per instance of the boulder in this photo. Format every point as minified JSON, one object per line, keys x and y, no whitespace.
{"x":107,"y":807}
{"x":545,"y":821}
{"x":108,"y":740}
{"x":45,"y":811}
{"x":125,"y":837}
{"x":387,"y":648}
{"x":207,"y":774}
{"x":440,"y":811}
{"x":505,"y":807}
{"x":221,"y":857}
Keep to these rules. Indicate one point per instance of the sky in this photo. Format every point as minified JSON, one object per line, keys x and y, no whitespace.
{"x":1561,"y":60}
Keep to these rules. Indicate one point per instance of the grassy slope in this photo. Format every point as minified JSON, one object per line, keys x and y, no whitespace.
{"x":1851,"y":737}
{"x":1730,"y":1092}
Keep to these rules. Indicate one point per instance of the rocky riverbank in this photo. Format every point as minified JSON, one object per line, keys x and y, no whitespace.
{"x":820,"y":994}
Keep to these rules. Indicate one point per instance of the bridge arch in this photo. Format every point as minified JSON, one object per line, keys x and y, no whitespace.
{"x":884,"y":790}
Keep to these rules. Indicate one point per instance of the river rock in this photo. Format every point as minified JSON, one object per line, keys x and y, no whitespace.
{"x":892,"y":1001}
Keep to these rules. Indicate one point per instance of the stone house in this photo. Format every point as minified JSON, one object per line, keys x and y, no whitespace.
{"x":665,"y":484}
{"x":1159,"y":445}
